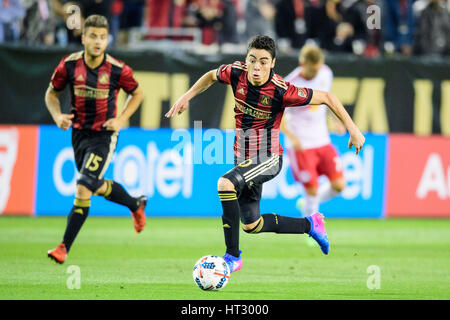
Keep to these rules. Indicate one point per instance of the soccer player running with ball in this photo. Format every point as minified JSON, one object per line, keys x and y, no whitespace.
{"x":311,"y":153}
{"x":260,"y":99}
{"x":94,"y":79}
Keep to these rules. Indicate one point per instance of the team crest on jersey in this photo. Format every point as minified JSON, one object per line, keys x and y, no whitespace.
{"x":103,"y":78}
{"x":265,"y":100}
{"x":301,"y":93}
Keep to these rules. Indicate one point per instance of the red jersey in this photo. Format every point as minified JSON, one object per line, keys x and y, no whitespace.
{"x":259,"y":109}
{"x":93,"y":92}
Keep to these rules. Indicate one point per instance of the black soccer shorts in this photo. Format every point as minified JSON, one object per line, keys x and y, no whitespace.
{"x":248,"y":178}
{"x":93,"y":152}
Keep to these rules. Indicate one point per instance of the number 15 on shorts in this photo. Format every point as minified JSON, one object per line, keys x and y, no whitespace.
{"x":93,"y":162}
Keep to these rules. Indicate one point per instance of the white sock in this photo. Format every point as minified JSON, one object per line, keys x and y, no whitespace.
{"x":311,"y":205}
{"x":326,"y":192}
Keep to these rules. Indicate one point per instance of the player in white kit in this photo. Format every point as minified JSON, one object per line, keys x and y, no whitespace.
{"x":311,"y":153}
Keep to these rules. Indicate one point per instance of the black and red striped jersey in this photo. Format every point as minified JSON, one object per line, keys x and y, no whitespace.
{"x":259,"y":109}
{"x":93,"y":92}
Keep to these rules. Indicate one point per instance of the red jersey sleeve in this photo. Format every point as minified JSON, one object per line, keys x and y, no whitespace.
{"x":127,"y":81}
{"x":59,"y":78}
{"x":295,"y":96}
{"x":224,"y":73}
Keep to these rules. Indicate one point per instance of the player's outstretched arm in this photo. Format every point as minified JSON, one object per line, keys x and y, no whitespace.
{"x":131,"y":105}
{"x":296,"y":144}
{"x":329,"y":99}
{"x":62,"y":120}
{"x":201,"y":85}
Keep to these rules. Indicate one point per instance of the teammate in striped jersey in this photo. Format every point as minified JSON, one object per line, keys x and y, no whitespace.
{"x":94,"y":80}
{"x":260,"y":99}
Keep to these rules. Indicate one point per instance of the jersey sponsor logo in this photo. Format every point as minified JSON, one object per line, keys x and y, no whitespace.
{"x":85,"y":91}
{"x":254,"y":112}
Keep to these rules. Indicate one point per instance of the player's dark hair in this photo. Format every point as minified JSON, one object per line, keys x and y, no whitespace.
{"x":96,"y":21}
{"x":263,"y":42}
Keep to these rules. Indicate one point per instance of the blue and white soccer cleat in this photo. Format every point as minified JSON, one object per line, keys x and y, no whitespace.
{"x":318,"y":231}
{"x":234,"y":263}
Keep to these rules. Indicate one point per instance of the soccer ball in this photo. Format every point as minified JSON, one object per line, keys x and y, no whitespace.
{"x":211,"y":273}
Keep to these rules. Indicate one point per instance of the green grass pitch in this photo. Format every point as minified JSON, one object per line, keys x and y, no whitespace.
{"x":412,"y":256}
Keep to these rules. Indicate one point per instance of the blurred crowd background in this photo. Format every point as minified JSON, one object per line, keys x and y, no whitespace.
{"x":407,"y":27}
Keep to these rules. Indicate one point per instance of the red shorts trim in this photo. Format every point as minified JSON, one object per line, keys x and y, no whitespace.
{"x":307,"y":165}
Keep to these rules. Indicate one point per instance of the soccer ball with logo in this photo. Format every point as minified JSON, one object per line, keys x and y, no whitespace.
{"x":211,"y":273}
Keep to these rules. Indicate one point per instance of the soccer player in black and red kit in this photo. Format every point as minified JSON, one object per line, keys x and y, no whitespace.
{"x":260,"y":99}
{"x":94,"y":80}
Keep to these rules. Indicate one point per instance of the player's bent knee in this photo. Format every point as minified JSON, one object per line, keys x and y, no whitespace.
{"x":92,"y":184}
{"x":82,"y":192}
{"x":102,"y":190}
{"x":251,"y":227}
{"x":225,"y":184}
